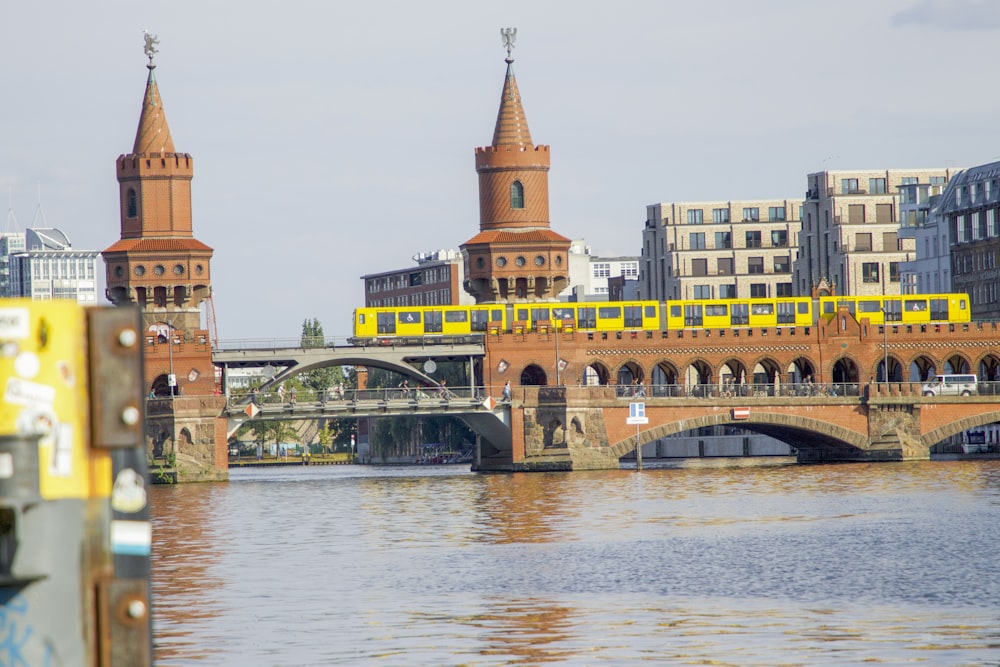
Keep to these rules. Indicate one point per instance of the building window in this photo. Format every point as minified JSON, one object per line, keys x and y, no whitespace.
{"x":723,"y":240}
{"x":863,"y":242}
{"x":876,"y":186}
{"x":697,"y":241}
{"x":938,"y":180}
{"x":131,"y":203}
{"x":703,"y":291}
{"x":783,"y":289}
{"x":753,"y":239}
{"x":695,"y":216}
{"x":751,"y":214}
{"x":720,"y":215}
{"x":755,"y":265}
{"x":630,"y":269}
{"x":602,"y":270}
{"x":699,"y":267}
{"x":516,"y":195}
{"x":724,"y":266}
{"x":776,"y":214}
{"x":893,"y":272}
{"x":869,"y":272}
{"x":758,"y":290}
{"x":539,"y":260}
{"x":779,"y":238}
{"x":727,"y":291}
{"x":909,"y":180}
{"x":782,"y":264}
{"x":849,"y":186}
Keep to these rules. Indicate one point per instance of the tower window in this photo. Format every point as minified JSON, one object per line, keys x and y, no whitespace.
{"x":516,"y":195}
{"x":131,"y":203}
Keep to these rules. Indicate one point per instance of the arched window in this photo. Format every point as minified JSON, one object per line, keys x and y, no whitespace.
{"x":516,"y":195}
{"x":131,"y":204}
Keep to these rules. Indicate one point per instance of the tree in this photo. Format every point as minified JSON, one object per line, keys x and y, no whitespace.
{"x":320,"y":379}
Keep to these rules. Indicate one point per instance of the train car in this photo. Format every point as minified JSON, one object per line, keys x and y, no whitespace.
{"x":903,"y":309}
{"x":418,"y":321}
{"x":588,"y":316}
{"x":728,"y":313}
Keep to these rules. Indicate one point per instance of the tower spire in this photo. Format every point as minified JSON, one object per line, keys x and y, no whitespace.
{"x":512,"y":125}
{"x":153,"y":134}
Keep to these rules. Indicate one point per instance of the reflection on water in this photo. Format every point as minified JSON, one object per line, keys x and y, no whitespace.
{"x":345,"y":565}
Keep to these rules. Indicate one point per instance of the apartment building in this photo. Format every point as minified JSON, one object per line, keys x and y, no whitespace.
{"x":436,"y":280}
{"x":850,"y":230}
{"x":49,"y":268}
{"x":930,"y":271}
{"x":719,"y":250}
{"x":968,"y":209}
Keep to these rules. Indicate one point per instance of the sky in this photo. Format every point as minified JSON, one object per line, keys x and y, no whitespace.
{"x":336,"y":139}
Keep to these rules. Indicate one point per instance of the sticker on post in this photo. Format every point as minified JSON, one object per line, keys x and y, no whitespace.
{"x":15,"y":323}
{"x":131,"y":538}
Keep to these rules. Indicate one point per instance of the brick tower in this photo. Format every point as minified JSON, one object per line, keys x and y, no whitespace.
{"x":515,"y":257}
{"x":158,"y":264}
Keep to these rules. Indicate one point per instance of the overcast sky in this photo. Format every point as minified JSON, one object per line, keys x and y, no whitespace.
{"x":334,"y":139}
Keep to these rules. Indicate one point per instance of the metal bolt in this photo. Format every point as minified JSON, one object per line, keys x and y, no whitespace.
{"x":127,"y":338}
{"x":136,"y":609}
{"x":130,"y":415}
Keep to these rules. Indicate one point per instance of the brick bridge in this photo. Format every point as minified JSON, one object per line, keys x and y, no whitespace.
{"x":749,"y":378}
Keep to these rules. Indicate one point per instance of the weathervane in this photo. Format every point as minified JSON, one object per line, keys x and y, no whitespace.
{"x":509,"y":35}
{"x":151,"y":42}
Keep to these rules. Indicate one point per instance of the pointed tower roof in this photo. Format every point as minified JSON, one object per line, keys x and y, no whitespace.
{"x":153,"y":135}
{"x":512,"y":125}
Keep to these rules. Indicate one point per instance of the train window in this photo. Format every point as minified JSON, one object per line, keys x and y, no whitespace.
{"x":609,"y":312}
{"x":716,"y":310}
{"x":786,"y":312}
{"x":675,"y":310}
{"x":432,"y":321}
{"x":762,"y":308}
{"x":914,"y":305}
{"x":869,"y":306}
{"x":456,"y":316}
{"x":893,"y":309}
{"x":650,"y":311}
{"x":939,"y":309}
{"x":692,"y":315}
{"x":539,"y":315}
{"x":361,"y":318}
{"x":386,"y":322}
{"x":961,"y":304}
{"x":479,"y":318}
{"x":828,"y":308}
{"x":562,"y":313}
{"x":803,"y":308}
{"x":586,"y":318}
{"x":849,"y":305}
{"x":633,"y":316}
{"x":409,"y":317}
{"x":521,"y":314}
{"x":740,"y":314}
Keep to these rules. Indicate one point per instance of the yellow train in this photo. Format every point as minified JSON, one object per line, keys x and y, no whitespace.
{"x":371,"y":324}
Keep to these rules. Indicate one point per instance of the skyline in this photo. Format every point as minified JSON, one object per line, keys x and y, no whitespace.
{"x":353,"y":147}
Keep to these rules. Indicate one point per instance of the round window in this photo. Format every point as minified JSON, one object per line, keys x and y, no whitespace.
{"x":501,"y":261}
{"x":158,"y":269}
{"x":198,"y":269}
{"x":140,"y":270}
{"x":558,"y":260}
{"x":539,"y":260}
{"x":178,"y":269}
{"x":519,"y":261}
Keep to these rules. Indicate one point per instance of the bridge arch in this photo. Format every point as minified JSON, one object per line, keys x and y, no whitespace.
{"x":957,"y":363}
{"x":803,"y":433}
{"x":932,"y":438}
{"x":921,"y":368}
{"x":664,"y":378}
{"x":534,"y":375}
{"x":596,"y":374}
{"x":989,"y":368}
{"x":844,"y":370}
{"x":629,"y":372}
{"x":799,"y":368}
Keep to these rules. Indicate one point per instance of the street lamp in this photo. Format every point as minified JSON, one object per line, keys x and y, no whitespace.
{"x":171,"y":378}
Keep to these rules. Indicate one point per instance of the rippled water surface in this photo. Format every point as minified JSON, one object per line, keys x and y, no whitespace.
{"x":890,"y":564}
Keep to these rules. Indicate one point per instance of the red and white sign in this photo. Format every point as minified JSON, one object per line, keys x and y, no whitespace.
{"x":251,"y":410}
{"x":741,"y":413}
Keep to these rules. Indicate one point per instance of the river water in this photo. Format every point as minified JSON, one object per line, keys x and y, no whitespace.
{"x":860,"y":564}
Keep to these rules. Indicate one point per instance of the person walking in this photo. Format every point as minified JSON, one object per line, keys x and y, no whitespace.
{"x":506,"y":392}
{"x":281,"y":393}
{"x":292,"y":395}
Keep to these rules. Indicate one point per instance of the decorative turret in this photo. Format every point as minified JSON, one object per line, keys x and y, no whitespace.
{"x":157,"y":264}
{"x":515,"y":256}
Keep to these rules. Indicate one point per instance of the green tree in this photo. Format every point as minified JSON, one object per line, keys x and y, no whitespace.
{"x":320,"y":379}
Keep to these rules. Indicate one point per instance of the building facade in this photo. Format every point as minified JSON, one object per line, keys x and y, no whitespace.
{"x":719,"y":250}
{"x":850,"y":230}
{"x":11,"y":243}
{"x":49,"y":268}
{"x":436,"y":281}
{"x":930,"y":271}
{"x":968,"y":209}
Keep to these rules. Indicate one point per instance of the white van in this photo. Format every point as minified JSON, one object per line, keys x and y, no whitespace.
{"x":950,"y":385}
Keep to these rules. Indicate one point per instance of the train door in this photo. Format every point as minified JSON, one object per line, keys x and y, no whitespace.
{"x":433,"y":321}
{"x":386,"y":322}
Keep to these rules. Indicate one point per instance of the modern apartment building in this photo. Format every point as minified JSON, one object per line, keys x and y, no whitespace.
{"x":11,"y":243}
{"x":850,"y":230}
{"x":590,"y":275}
{"x":968,"y":209}
{"x":719,"y":250}
{"x":930,"y":271}
{"x":49,"y":268}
